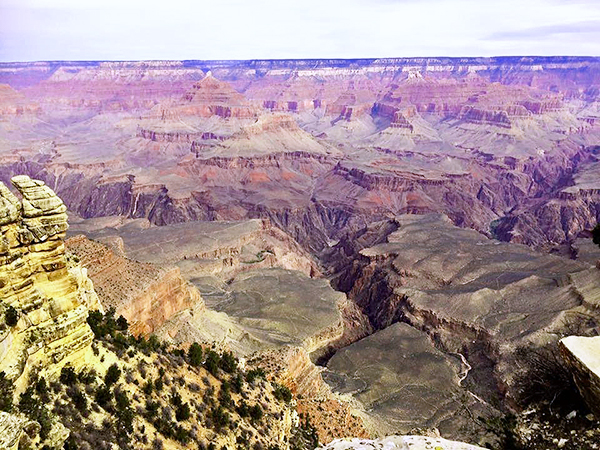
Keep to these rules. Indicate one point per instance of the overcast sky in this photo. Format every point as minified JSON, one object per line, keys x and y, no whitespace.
{"x":248,"y":29}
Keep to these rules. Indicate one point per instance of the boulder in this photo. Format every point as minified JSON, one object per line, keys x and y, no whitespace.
{"x":582,"y":354}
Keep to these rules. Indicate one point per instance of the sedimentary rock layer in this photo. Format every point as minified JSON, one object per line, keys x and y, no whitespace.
{"x":145,"y":294}
{"x":44,"y":290}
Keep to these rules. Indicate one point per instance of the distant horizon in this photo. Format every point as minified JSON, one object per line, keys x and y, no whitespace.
{"x":301,"y":59}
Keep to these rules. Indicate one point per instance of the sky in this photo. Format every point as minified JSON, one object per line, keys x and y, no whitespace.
{"x":33,"y":30}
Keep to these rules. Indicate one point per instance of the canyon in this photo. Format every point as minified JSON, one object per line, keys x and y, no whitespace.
{"x":384,"y":236}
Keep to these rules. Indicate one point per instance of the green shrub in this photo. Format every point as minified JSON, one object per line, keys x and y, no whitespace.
{"x":124,"y":412}
{"x":282,"y":393}
{"x":243,"y":409}
{"x":7,"y":389}
{"x":225,"y":395}
{"x":195,"y":354}
{"x":103,"y":396}
{"x":220,"y":418}
{"x":41,"y":389}
{"x":95,"y":320}
{"x":256,"y":413}
{"x":121,"y":341}
{"x":153,"y":343}
{"x":253,"y":374}
{"x":151,"y":409}
{"x":158,"y":384}
{"x":31,"y":406}
{"x":181,"y":434}
{"x":87,"y":376}
{"x":182,"y":412}
{"x":68,"y":377}
{"x":11,"y":316}
{"x":112,"y":375}
{"x":228,"y":362}
{"x":212,"y":362}
{"x":237,"y":383}
{"x":596,"y":235}
{"x":122,"y":324}
{"x":148,"y":387}
{"x":79,"y":401}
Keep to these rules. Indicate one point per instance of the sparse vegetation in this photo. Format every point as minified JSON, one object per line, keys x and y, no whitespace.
{"x":208,"y":393}
{"x":546,"y":378}
{"x":31,"y":405}
{"x":503,"y":428}
{"x":282,"y":393}
{"x":260,"y":257}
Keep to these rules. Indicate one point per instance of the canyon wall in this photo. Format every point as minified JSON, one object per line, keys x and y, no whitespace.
{"x":45,"y":294}
{"x":145,"y":294}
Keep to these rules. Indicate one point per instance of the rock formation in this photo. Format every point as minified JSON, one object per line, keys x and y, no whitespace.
{"x":12,"y":428}
{"x":495,"y":144}
{"x":145,"y":294}
{"x":210,"y":96}
{"x":43,"y":288}
{"x":476,"y":299}
{"x":13,"y":103}
{"x":400,"y":443}
{"x":583,"y":356}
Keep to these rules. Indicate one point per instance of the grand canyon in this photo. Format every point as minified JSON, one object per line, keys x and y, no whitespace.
{"x":352,"y":253}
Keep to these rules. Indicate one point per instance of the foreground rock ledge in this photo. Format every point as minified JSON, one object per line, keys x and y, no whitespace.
{"x":49,"y":292}
{"x":583,"y":356}
{"x":399,"y":442}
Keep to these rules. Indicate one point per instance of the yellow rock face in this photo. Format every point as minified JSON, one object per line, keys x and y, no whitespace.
{"x":50,"y":292}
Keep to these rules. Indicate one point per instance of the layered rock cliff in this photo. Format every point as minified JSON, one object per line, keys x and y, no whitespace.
{"x":145,"y":294}
{"x":44,"y":294}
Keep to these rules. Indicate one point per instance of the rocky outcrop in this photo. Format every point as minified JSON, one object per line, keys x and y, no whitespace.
{"x":566,"y":213}
{"x":400,"y":121}
{"x":212,"y":97}
{"x":582,"y":354}
{"x":12,"y":103}
{"x":485,"y":117}
{"x":145,"y":294}
{"x":454,"y":115}
{"x":400,"y":443}
{"x":175,"y":136}
{"x":47,"y":292}
{"x":112,"y":86}
{"x":12,"y":430}
{"x":17,"y":431}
